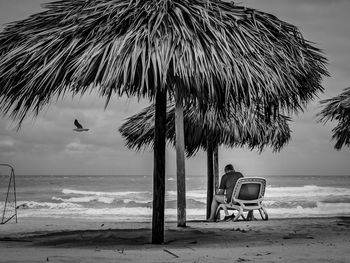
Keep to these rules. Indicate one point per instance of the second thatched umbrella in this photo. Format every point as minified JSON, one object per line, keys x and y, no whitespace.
{"x":338,"y":109}
{"x":244,"y":127}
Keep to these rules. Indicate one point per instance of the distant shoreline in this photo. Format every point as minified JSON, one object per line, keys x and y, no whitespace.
{"x":174,"y":175}
{"x":55,"y":219}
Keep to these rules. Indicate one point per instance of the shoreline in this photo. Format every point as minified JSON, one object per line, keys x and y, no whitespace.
{"x":275,"y":240}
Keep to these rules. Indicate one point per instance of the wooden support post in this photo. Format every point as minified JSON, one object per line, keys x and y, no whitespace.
{"x":216,"y":169}
{"x":159,"y":168}
{"x":210,"y":176}
{"x":180,"y":160}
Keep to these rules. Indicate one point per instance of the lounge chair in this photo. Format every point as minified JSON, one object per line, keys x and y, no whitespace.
{"x":247,"y":196}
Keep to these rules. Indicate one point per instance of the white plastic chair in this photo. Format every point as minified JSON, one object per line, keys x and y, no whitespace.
{"x":247,"y":195}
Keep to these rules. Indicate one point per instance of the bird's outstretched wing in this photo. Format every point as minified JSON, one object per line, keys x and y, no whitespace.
{"x":77,"y":124}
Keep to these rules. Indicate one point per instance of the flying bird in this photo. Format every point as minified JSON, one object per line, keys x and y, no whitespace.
{"x":79,"y":126}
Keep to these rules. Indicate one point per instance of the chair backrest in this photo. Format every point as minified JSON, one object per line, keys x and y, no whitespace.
{"x":249,"y":190}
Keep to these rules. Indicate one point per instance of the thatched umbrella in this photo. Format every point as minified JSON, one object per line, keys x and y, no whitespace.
{"x":338,"y":109}
{"x":247,"y":127}
{"x":204,"y":51}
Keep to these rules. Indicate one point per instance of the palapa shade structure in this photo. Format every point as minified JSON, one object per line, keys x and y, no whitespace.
{"x":338,"y":109}
{"x":245,"y":127}
{"x":205,"y":51}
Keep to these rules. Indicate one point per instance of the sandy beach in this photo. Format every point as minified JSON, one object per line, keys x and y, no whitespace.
{"x":114,"y":113}
{"x":276,"y":240}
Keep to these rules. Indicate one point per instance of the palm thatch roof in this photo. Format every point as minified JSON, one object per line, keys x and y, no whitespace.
{"x":338,"y":109}
{"x":213,"y":51}
{"x":246,"y":127}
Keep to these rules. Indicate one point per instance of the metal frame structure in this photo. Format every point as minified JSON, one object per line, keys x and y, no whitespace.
{"x":12,"y":177}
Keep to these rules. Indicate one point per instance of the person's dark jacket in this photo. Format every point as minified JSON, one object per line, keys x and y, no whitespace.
{"x":228,"y":182}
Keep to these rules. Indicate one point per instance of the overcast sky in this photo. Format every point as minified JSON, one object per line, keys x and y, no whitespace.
{"x":47,"y":144}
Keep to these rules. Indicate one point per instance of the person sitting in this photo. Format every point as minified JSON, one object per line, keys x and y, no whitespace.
{"x":227,"y":184}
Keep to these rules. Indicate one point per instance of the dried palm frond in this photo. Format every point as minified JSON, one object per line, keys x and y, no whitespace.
{"x":214,"y":51}
{"x":246,"y":127}
{"x":338,"y":109}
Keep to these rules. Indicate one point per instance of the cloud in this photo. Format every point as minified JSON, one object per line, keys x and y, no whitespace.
{"x":7,"y":147}
{"x":77,"y":146}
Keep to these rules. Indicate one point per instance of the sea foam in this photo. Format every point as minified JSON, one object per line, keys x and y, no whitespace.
{"x":288,"y":201}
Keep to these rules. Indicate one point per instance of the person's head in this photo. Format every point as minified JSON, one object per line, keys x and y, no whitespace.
{"x":229,"y":168}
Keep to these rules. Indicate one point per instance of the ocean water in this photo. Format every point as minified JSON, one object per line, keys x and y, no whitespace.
{"x":129,"y":198}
